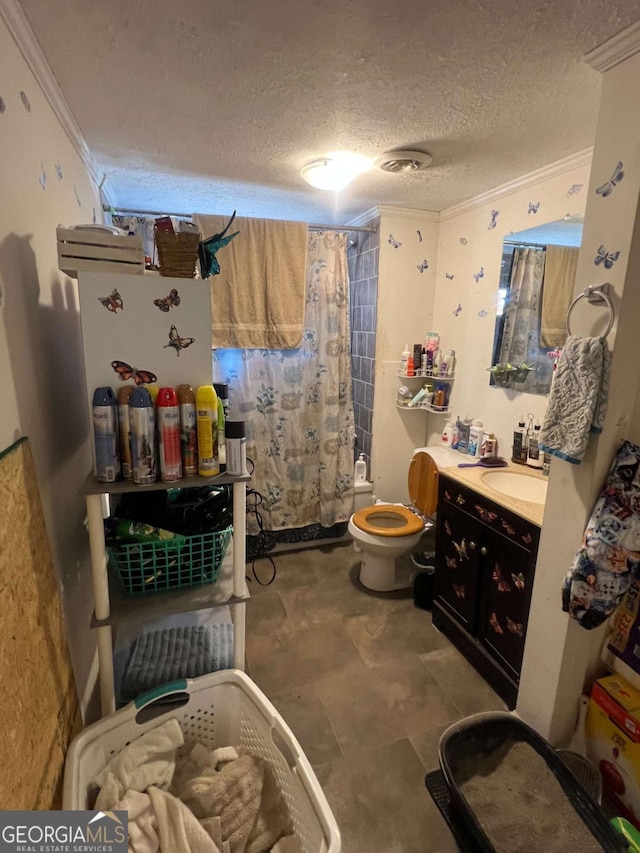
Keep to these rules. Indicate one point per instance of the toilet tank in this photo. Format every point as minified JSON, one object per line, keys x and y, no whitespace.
{"x":363,"y":495}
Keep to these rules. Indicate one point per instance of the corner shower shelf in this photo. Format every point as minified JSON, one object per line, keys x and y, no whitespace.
{"x":435,"y":410}
{"x":433,"y":376}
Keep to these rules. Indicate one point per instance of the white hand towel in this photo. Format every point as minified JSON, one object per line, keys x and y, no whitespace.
{"x":143,"y":837}
{"x":578,"y":398}
{"x":178,"y":828}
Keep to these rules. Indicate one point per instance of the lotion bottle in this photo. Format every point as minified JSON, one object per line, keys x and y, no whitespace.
{"x":475,"y":438}
{"x":404,"y":358}
{"x":535,"y":459}
{"x":360,"y":470}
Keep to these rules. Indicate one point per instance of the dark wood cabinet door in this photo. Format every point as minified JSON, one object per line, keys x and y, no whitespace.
{"x":456,"y":580}
{"x":505,"y":595}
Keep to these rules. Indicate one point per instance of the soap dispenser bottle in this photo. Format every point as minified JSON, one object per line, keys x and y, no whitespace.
{"x":535,"y":457}
{"x":360,"y":470}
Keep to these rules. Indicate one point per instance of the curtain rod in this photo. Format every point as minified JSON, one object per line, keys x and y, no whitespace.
{"x":154,"y":213}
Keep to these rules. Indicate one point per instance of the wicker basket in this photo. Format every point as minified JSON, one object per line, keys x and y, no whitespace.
{"x":178,"y":254}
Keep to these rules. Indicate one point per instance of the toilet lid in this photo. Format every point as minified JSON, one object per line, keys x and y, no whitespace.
{"x":388,"y":520}
{"x":423,"y":483}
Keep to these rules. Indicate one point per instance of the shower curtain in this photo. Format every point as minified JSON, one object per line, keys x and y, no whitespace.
{"x":298,"y":407}
{"x":521,"y":334}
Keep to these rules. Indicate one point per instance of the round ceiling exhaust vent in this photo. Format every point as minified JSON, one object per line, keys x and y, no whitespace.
{"x":403,"y":161}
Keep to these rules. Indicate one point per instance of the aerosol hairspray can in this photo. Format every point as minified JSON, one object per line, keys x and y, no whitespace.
{"x":207,"y":424}
{"x":105,"y":432}
{"x":123,"y":430}
{"x":188,"y":438}
{"x":143,"y":437}
{"x":168,"y":416}
{"x":236,"y":448}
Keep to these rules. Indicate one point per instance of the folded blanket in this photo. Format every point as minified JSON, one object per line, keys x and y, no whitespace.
{"x":578,"y":398}
{"x":182,"y":652}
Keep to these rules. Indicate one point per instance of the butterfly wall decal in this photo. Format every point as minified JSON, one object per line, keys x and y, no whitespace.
{"x":494,"y":220}
{"x":608,"y":259}
{"x":460,"y":500}
{"x":508,"y":527}
{"x":167,"y":302}
{"x":451,"y":562}
{"x":449,"y":276}
{"x":463,"y":241}
{"x":515,"y":627}
{"x":497,"y":627}
{"x":419,"y":236}
{"x":503,"y":585}
{"x":207,"y":250}
{"x":573,"y":190}
{"x":424,"y":265}
{"x":527,"y":538}
{"x":478,"y":275}
{"x":607,"y":188}
{"x":533,"y":208}
{"x":485,"y":514}
{"x":112,"y":302}
{"x":461,"y":549}
{"x":458,"y":310}
{"x":177,"y":342}
{"x":393,"y":242}
{"x":482,"y":313}
{"x":459,"y":590}
{"x":126,"y":372}
{"x":518,"y":581}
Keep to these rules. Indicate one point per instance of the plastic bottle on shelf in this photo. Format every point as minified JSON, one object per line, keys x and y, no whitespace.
{"x":404,"y":358}
{"x":456,"y":433}
{"x":463,"y":435}
{"x":476,"y":435}
{"x":447,"y":434}
{"x":519,"y":454}
{"x":411,"y":370}
{"x":207,"y":427}
{"x":489,"y":446}
{"x":360,"y":470}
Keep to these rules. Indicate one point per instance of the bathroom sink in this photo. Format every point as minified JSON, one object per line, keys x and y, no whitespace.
{"x":516,"y":485}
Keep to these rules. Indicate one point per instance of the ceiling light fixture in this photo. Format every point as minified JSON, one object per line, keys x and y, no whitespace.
{"x":335,"y":171}
{"x":399,"y":161}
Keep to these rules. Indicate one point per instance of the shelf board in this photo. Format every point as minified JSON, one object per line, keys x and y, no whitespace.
{"x":434,"y":410}
{"x":433,"y":376}
{"x":92,"y":487}
{"x":146,"y":608}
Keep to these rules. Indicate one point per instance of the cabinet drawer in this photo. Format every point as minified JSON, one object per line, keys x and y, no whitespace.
{"x":509,"y":525}
{"x":456,"y":580}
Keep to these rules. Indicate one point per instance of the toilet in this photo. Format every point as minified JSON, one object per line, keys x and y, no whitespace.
{"x":386,"y":532}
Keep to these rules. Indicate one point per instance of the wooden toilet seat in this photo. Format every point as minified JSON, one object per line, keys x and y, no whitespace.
{"x":395,"y":520}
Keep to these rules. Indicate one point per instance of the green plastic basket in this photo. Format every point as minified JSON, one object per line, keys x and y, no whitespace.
{"x":148,"y":567}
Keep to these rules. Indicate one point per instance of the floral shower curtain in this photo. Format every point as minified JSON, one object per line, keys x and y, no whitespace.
{"x":297,"y":404}
{"x":521,"y":334}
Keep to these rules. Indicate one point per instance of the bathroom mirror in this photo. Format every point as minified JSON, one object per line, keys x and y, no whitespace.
{"x":537,"y":276}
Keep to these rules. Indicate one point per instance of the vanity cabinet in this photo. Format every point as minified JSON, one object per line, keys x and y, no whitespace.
{"x":485,"y":564}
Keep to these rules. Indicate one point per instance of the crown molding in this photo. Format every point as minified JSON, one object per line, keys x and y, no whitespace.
{"x":365,"y":218}
{"x":553,"y":170}
{"x":409,"y":213}
{"x":615,"y":50}
{"x":20,"y":30}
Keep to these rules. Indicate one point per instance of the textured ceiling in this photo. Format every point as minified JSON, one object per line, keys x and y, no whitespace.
{"x":210,"y":106}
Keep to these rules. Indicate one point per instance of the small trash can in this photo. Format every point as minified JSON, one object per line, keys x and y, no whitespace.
{"x":424,"y":579}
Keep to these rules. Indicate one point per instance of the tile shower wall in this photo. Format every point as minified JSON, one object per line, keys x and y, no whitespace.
{"x":363,"y":294}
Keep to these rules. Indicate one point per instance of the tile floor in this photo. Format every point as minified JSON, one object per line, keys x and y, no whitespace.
{"x":367,"y":685}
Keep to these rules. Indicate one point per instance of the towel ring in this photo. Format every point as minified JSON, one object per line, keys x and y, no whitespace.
{"x":594,"y":294}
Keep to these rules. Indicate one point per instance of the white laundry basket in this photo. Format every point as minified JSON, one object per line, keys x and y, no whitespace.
{"x":220,"y":709}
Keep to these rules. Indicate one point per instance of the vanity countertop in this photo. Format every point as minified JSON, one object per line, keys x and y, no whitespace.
{"x":473,"y":479}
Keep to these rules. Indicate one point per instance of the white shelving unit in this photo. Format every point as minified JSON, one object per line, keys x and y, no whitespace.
{"x":420,"y":379}
{"x":111,"y":606}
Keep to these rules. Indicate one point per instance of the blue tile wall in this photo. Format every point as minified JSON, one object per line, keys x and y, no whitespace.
{"x":363,"y":298}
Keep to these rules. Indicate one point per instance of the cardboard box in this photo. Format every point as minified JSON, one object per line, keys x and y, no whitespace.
{"x":612,"y":731}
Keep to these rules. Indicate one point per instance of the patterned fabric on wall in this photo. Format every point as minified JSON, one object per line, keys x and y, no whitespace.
{"x":298,"y":405}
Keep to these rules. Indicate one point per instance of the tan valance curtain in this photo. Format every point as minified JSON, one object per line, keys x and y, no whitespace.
{"x":257,"y":299}
{"x":557,"y":293}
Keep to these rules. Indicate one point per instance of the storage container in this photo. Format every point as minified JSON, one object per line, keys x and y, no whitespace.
{"x":177,"y":253}
{"x":148,"y":567}
{"x":98,"y":249}
{"x":221,"y":709}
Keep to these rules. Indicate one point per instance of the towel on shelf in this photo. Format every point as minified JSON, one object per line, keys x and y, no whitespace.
{"x":578,"y":398}
{"x":560,"y":267}
{"x":609,"y":557}
{"x":180,"y":652}
{"x":257,"y":300}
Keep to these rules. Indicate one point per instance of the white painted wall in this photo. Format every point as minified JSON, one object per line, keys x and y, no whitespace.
{"x":560,"y":656}
{"x":41,"y":380}
{"x":467,"y":246}
{"x":404,"y":315}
